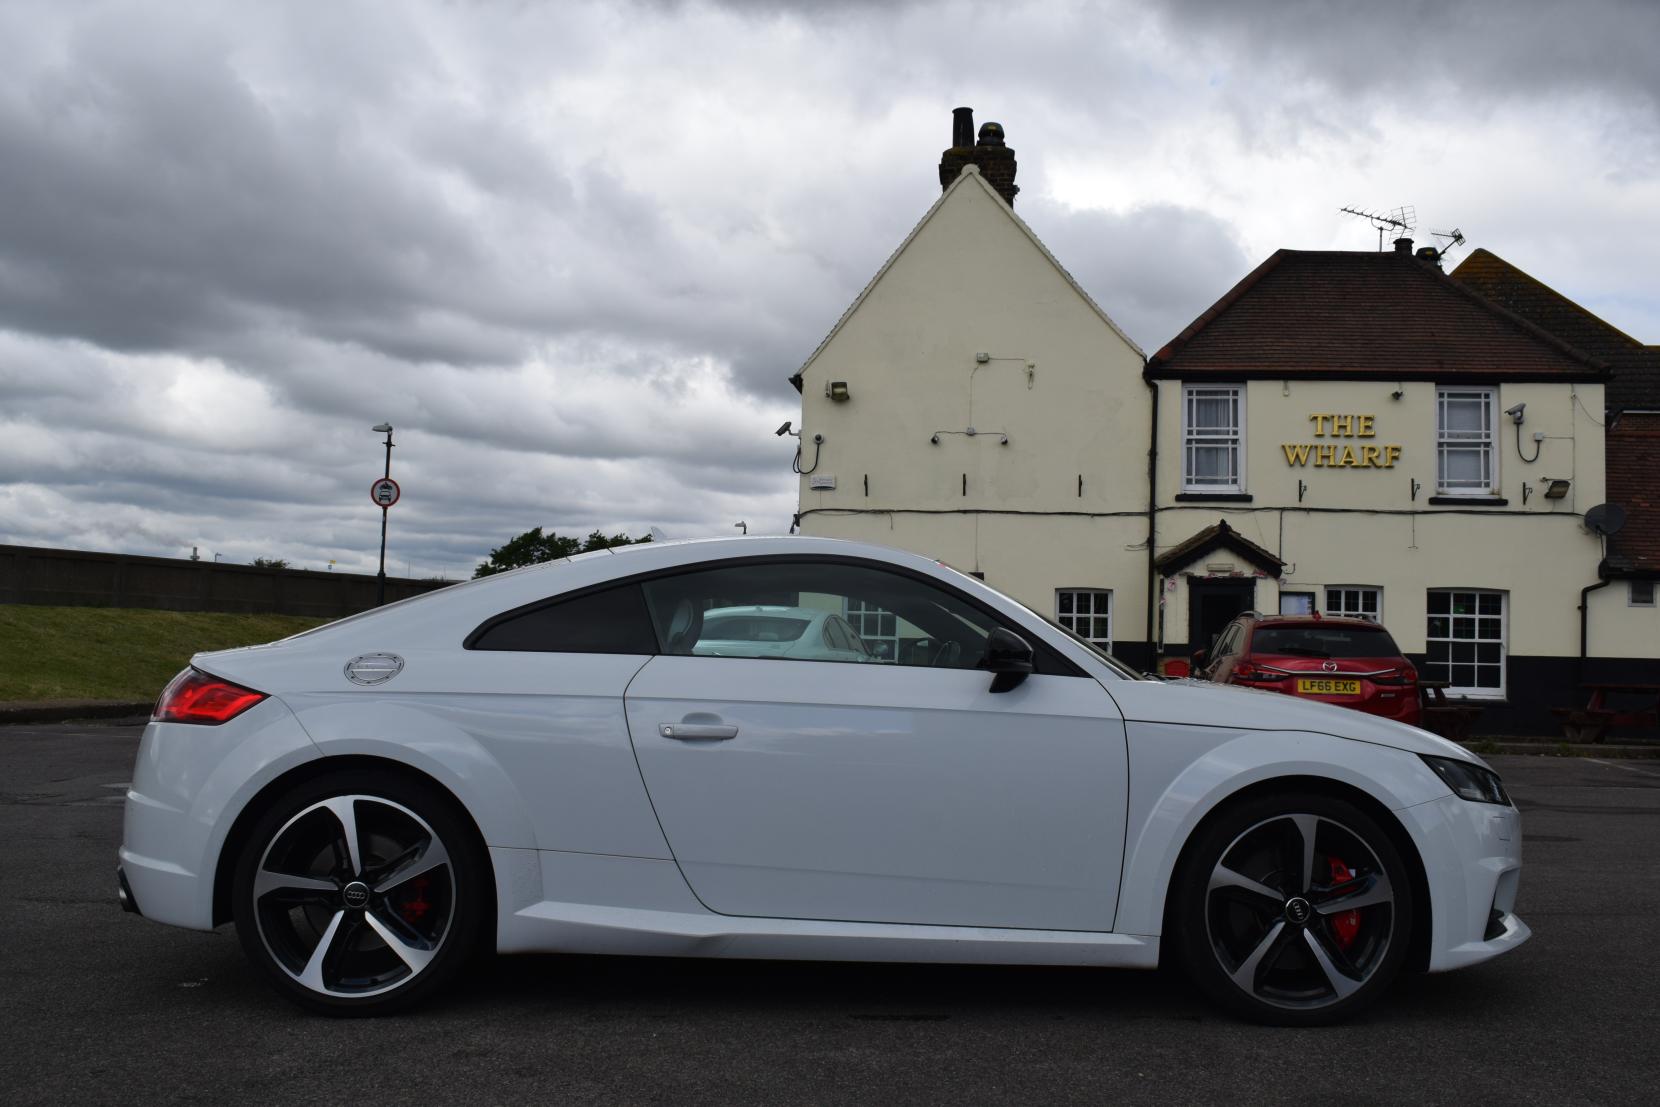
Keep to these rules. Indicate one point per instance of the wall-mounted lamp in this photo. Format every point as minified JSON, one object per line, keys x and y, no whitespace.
{"x":837,"y":391}
{"x":1558,"y":490}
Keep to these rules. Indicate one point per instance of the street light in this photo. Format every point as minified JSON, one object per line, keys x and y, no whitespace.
{"x":380,"y":582}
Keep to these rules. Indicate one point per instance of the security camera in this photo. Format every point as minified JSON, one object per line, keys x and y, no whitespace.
{"x":785,"y":429}
{"x":1515,"y":413}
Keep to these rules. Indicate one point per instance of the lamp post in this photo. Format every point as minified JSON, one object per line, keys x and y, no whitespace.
{"x":380,"y":582}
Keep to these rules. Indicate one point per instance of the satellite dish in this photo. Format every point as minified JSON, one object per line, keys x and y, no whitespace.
{"x":1605,"y":519}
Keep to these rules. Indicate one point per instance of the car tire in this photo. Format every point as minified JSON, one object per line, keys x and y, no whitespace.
{"x":361,"y":892}
{"x":1292,"y":909}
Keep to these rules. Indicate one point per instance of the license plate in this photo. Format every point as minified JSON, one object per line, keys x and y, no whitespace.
{"x":1324,"y":686}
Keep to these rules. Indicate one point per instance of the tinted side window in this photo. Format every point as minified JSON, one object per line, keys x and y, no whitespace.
{"x":930,"y":626}
{"x":612,"y":621}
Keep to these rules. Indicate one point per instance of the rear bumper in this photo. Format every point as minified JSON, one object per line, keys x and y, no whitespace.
{"x":124,"y":893}
{"x":189,"y":784}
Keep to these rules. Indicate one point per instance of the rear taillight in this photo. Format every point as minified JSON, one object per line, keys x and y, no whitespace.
{"x":1404,"y":675}
{"x":195,"y":697}
{"x":1245,"y":670}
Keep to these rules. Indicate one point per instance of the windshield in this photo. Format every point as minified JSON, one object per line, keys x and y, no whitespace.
{"x":1101,"y":655}
{"x":1323,"y":641}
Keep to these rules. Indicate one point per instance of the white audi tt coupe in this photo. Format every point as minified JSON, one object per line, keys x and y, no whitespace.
{"x":544,"y":761}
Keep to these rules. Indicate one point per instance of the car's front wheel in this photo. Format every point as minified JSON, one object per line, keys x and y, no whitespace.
{"x":1293,"y":909}
{"x":360,"y":893}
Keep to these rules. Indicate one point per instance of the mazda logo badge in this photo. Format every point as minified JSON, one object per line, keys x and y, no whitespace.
{"x":356,"y":894}
{"x":1328,"y":666}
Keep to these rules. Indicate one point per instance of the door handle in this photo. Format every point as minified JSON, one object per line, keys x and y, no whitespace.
{"x":692,"y":731}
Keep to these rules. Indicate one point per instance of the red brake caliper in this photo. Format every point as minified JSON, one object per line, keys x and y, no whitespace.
{"x":413,"y":909}
{"x":1346,"y":925}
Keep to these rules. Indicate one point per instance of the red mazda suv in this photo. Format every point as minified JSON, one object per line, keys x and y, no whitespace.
{"x":1348,"y":662}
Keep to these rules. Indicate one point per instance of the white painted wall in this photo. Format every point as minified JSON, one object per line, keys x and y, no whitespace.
{"x":1063,"y":384}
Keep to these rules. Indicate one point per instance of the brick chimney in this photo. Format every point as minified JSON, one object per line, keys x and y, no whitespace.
{"x":996,"y":160}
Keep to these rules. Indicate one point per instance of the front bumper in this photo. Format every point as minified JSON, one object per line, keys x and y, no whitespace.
{"x":1472,"y":854}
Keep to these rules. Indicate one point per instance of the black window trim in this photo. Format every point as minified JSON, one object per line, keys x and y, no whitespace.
{"x":1060,"y":663}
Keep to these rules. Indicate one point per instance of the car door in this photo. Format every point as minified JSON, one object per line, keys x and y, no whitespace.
{"x":898,"y":793}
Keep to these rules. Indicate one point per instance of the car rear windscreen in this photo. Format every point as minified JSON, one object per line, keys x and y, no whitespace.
{"x":1326,"y":641}
{"x":751,"y":628}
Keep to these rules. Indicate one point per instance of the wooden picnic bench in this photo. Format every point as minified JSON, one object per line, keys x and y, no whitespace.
{"x":1592,"y":722}
{"x":1445,"y":717}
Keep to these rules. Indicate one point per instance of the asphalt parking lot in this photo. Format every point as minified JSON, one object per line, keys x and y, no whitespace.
{"x":100,"y":1006}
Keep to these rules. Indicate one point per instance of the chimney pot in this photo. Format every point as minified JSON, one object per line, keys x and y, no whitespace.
{"x":995,"y":159}
{"x":1403,"y":245}
{"x":962,"y":127}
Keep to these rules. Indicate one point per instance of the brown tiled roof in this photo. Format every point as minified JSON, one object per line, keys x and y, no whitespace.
{"x":1336,"y":314}
{"x":1635,"y":367}
{"x":1633,"y":461}
{"x":1218,"y":536}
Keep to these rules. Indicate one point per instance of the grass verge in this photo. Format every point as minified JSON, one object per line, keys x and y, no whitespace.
{"x":110,"y":653}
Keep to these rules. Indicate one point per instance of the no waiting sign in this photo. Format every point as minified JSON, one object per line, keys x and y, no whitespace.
{"x":384,"y":492}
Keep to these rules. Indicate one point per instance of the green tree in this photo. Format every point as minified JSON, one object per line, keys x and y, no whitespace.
{"x":533,"y":547}
{"x":270,"y":563}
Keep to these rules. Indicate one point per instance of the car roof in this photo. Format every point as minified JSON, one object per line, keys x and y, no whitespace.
{"x":1311,"y":621}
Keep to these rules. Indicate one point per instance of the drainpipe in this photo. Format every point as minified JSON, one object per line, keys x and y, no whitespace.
{"x":1584,"y":618}
{"x":1152,"y":524}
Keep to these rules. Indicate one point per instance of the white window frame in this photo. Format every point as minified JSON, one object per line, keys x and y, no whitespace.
{"x":1236,"y":439}
{"x":858,"y":618}
{"x":1339,"y":610}
{"x":1069,"y":620}
{"x":1476,"y":692}
{"x":1444,"y":440}
{"x":1631,"y":593}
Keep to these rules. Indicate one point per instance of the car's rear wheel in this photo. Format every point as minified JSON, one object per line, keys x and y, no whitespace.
{"x":1294,"y":910}
{"x":360,"y":893}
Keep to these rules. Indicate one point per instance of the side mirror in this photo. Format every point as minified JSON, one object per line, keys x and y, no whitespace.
{"x":1009,"y":656}
{"x":1200,"y":659}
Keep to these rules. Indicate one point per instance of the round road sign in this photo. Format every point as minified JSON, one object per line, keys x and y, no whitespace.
{"x":384,"y":492}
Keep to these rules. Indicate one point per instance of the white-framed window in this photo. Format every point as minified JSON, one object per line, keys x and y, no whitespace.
{"x":1465,"y":641}
{"x":1355,"y":601}
{"x":1639,"y":593}
{"x":1465,"y":430}
{"x":1213,"y":438}
{"x":879,"y":629}
{"x":1296,"y":603}
{"x":1086,"y":612}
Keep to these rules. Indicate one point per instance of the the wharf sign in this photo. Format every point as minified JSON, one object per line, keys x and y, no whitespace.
{"x":1341,"y":454}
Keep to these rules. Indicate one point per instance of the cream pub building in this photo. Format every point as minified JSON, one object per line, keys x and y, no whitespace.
{"x":1355,"y":433}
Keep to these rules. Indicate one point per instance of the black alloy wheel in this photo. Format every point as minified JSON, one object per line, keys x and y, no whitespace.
{"x":1293,"y":910}
{"x":360,"y":893}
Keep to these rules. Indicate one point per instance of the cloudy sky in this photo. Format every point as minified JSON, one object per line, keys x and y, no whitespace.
{"x":572,"y":251}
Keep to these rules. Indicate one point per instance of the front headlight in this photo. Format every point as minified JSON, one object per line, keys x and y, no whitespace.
{"x":1469,"y":781}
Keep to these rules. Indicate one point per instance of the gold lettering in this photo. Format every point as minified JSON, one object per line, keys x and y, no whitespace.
{"x":1298,"y":454}
{"x":1391,"y":455}
{"x":1342,"y":426}
{"x":1349,"y":460}
{"x":1323,"y":456}
{"x":1364,"y":426}
{"x":1369,"y":457}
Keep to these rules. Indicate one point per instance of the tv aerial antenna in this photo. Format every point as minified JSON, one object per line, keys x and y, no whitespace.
{"x":1401,"y":220}
{"x":1453,"y":239}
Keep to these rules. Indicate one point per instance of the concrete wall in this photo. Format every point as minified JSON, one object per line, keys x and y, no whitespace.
{"x":78,"y":578}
